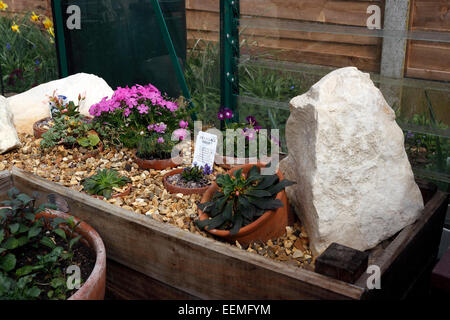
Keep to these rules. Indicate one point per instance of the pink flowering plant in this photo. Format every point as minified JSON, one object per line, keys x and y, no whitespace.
{"x":250,"y":130}
{"x":140,"y":112}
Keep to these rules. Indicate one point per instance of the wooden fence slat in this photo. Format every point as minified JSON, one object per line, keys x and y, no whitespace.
{"x":337,"y":12}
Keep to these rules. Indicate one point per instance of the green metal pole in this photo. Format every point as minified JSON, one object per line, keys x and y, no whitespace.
{"x":229,"y":42}
{"x":59,"y":33}
{"x":173,"y":55}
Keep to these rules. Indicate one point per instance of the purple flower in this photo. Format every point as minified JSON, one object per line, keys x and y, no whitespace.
{"x":251,"y":120}
{"x":183,"y":124}
{"x":292,"y":88}
{"x":160,"y":140}
{"x":8,"y":46}
{"x":221,"y":115}
{"x":409,"y":135}
{"x":207,"y":170}
{"x":227,"y":113}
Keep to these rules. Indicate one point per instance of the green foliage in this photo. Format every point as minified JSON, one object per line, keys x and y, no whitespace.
{"x":195,"y":173}
{"x":20,"y":231}
{"x":27,"y":58}
{"x":240,"y":200}
{"x":103,"y":182}
{"x":149,"y":148}
{"x":90,"y":141}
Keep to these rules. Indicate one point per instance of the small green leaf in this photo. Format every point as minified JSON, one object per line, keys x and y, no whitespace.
{"x":13,"y":193}
{"x":57,"y":282}
{"x":14,"y":227}
{"x":22,"y":241}
{"x":8,"y":262}
{"x":74,"y":241}
{"x":24,"y":198}
{"x":46,"y":241}
{"x":11,"y":243}
{"x":2,"y":235}
{"x":24,"y":271}
{"x":61,"y":233}
{"x":93,"y":139}
{"x":258,"y":193}
{"x":33,"y":292}
{"x":34,"y":231}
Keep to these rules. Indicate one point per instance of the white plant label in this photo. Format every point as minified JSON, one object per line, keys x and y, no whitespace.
{"x":205,"y":149}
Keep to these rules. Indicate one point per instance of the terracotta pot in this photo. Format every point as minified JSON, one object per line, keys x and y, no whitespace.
{"x":272,"y":224}
{"x":175,"y":189}
{"x":38,"y":131}
{"x":157,"y":164}
{"x":117,"y":195}
{"x":94,"y":287}
{"x":231,"y":162}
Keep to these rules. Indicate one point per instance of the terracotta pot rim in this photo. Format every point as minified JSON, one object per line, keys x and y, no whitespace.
{"x":177,"y":189}
{"x":250,"y":227}
{"x":96,"y":243}
{"x":157,"y":164}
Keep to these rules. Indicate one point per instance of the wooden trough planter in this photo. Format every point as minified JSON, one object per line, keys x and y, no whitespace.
{"x":152,"y":260}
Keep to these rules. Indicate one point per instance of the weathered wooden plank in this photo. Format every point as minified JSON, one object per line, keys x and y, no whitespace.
{"x":431,"y":15}
{"x":429,"y":60}
{"x":199,"y":266}
{"x":317,"y":53}
{"x":412,"y":252}
{"x":5,"y":182}
{"x":336,"y":12}
{"x":127,"y":284}
{"x":210,"y":21}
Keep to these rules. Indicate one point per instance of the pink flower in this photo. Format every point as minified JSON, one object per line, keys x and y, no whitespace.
{"x":184,"y":124}
{"x":160,"y":127}
{"x":142,"y":109}
{"x":180,"y":134}
{"x":160,"y":140}
{"x":127,"y":112}
{"x":250,"y":134}
{"x":172,"y":106}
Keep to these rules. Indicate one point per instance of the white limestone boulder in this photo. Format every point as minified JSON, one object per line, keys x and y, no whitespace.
{"x":355,"y":185}
{"x":8,"y":134}
{"x":32,"y":105}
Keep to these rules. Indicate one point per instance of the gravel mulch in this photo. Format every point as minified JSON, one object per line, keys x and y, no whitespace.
{"x":148,"y":195}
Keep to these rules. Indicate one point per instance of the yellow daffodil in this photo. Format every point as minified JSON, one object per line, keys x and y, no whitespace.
{"x":47,"y":23}
{"x":3,"y":6}
{"x":51,"y":32}
{"x":34,"y":17}
{"x":15,"y":28}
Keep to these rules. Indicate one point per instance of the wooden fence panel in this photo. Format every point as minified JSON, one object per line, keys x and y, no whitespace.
{"x":24,"y":6}
{"x":298,"y":46}
{"x":429,"y":60}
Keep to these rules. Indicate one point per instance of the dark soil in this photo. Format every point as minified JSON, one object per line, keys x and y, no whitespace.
{"x":83,"y":256}
{"x":179,"y":181}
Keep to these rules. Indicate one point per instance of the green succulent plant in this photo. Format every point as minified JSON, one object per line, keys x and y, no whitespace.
{"x":103,"y":182}
{"x":241,"y":200}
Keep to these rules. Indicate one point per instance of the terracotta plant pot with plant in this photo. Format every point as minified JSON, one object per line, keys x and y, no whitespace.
{"x":104,"y":182}
{"x":245,"y":206}
{"x":251,"y":133}
{"x":191,"y":180}
{"x":39,"y":249}
{"x":154,"y":152}
{"x":42,"y":126}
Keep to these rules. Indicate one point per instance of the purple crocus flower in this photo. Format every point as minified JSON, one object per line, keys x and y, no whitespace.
{"x":160,"y":140}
